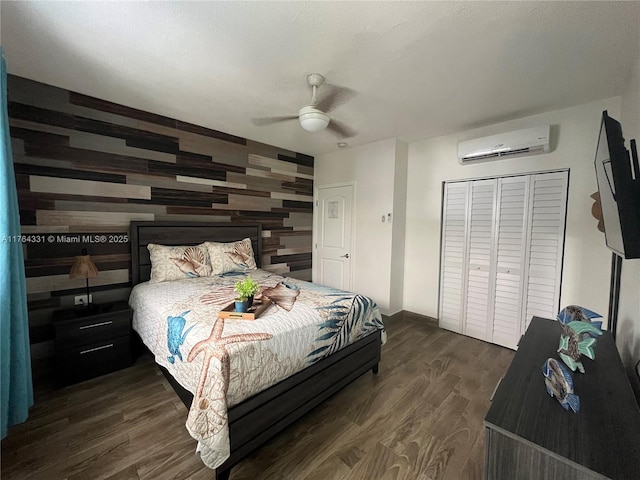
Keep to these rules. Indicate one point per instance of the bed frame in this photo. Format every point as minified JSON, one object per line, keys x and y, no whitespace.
{"x":257,"y":419}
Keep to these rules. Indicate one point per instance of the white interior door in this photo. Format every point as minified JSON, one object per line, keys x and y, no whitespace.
{"x":334,"y":227}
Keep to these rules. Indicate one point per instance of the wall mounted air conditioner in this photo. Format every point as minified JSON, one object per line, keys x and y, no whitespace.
{"x":520,"y":143}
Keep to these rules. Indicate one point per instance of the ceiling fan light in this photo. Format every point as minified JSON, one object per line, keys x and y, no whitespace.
{"x":315,"y":121}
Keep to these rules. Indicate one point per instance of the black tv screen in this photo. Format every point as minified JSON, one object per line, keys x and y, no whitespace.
{"x":618,"y":179}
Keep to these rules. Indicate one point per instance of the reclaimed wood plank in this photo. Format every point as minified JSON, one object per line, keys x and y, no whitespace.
{"x":86,"y":187}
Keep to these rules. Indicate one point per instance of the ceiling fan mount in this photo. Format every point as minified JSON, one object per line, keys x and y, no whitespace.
{"x":315,"y":79}
{"x":313,"y":117}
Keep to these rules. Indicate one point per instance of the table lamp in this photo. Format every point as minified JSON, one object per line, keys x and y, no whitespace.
{"x":83,"y":267}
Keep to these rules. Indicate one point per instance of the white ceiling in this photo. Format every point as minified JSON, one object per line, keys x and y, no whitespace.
{"x":420,"y":69}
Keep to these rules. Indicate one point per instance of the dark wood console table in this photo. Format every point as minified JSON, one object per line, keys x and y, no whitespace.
{"x":530,"y":436}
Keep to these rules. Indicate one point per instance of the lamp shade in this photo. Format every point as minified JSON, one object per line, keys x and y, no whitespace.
{"x":83,"y":267}
{"x":312,"y":119}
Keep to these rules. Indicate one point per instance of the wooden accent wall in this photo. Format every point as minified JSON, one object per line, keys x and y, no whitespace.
{"x":87,"y":166}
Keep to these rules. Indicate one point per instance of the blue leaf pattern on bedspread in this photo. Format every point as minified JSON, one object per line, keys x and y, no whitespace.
{"x":344,"y":314}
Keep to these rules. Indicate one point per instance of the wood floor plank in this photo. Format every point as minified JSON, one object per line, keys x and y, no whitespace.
{"x":419,"y":449}
{"x":103,"y":464}
{"x":82,"y":463}
{"x":389,"y":395}
{"x":419,"y":418}
{"x":332,"y":467}
{"x":455,"y":447}
{"x":413,"y":420}
{"x":474,"y":468}
{"x":452,"y":408}
{"x":177,"y":460}
{"x":128,"y":473}
{"x":381,"y":463}
{"x":94,"y":432}
{"x":310,"y":439}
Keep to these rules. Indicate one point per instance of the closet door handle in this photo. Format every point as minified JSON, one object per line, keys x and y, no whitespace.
{"x":346,"y":255}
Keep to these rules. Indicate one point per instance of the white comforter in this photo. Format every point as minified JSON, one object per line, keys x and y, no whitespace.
{"x":224,"y":361}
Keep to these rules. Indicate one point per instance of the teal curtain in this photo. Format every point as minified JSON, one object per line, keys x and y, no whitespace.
{"x":15,"y":356}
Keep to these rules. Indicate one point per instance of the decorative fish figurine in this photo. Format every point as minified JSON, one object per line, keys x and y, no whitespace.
{"x":560,"y":384}
{"x":284,"y":295}
{"x":578,"y":339}
{"x":192,"y":263}
{"x":175,"y":335}
{"x":575,"y":313}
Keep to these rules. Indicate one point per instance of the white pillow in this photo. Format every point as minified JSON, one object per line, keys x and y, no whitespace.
{"x":178,"y":262}
{"x":231,"y":257}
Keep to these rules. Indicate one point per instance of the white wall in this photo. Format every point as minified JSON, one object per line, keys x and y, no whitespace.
{"x":372,"y":167}
{"x":628,"y":338}
{"x":575,"y":131}
{"x":399,"y":227}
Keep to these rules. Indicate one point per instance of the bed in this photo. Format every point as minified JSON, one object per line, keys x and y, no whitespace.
{"x":253,"y":420}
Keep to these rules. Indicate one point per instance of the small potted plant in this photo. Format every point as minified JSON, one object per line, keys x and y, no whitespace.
{"x":245,"y":290}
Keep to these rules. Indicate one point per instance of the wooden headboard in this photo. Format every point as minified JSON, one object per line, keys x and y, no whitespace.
{"x":185,"y":233}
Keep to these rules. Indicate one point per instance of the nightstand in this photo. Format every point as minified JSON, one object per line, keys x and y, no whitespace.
{"x":89,"y":344}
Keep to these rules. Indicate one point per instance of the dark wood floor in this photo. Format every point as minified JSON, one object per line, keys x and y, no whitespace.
{"x":420,"y":418}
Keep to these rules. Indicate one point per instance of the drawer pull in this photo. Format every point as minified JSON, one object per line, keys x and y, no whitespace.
{"x":95,"y":349}
{"x":96,"y":325}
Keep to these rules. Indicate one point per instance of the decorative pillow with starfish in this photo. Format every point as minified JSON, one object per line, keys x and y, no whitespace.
{"x":231,"y":257}
{"x":178,"y":262}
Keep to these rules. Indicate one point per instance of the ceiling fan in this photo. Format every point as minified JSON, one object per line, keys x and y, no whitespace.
{"x":313,"y":117}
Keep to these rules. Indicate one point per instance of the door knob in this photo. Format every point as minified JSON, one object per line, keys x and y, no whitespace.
{"x":346,"y":255}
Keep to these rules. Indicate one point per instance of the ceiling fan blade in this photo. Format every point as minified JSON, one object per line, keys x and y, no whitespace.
{"x":341,"y":129}
{"x":335,"y":97}
{"x":260,"y":122}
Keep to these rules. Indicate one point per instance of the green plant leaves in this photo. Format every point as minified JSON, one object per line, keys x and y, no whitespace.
{"x":246,"y":287}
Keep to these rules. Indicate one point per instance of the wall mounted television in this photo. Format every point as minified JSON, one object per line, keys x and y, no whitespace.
{"x":618,"y":176}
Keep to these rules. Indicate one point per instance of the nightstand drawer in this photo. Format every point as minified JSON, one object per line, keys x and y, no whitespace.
{"x":92,"y":329}
{"x":88,"y":361}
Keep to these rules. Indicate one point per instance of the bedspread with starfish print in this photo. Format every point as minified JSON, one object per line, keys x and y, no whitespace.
{"x":225,"y":361}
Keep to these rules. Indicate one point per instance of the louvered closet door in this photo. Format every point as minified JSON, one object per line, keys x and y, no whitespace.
{"x":502,"y":249}
{"x":548,"y":198}
{"x":453,"y":254}
{"x":510,"y":253}
{"x":479,"y":307}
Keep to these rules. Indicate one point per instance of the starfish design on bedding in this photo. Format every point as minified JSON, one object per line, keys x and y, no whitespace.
{"x":216,"y":346}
